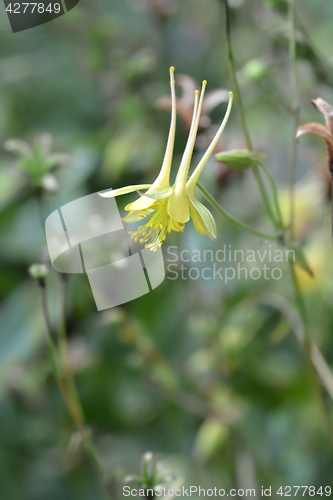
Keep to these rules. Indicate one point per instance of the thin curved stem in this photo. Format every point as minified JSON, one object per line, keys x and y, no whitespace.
{"x":234,"y":81}
{"x":295,"y":321}
{"x":62,"y":369}
{"x":76,"y":407}
{"x":292,"y":177}
{"x":308,"y":348}
{"x":294,"y":111}
{"x":64,"y":354}
{"x":241,"y":113}
{"x":280,"y":224}
{"x":48,"y":332}
{"x":234,"y":220}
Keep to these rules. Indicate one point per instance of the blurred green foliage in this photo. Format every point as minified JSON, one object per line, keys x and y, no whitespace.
{"x":195,"y":370}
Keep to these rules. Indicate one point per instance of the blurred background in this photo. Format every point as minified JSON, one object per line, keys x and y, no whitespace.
{"x":198,"y":372}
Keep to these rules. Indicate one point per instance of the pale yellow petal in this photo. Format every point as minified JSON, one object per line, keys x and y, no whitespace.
{"x":149,"y":198}
{"x":205,"y":217}
{"x":174,"y":226}
{"x":158,"y":193}
{"x":141,"y":203}
{"x":178,"y":206}
{"x":196,"y":220}
{"x":164,"y":175}
{"x":133,"y":216}
{"x":128,"y":189}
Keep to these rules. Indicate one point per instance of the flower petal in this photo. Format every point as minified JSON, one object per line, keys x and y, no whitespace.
{"x":196,"y":220}
{"x":19,"y":147}
{"x":205,"y":217}
{"x":141,"y":203}
{"x":158,"y":193}
{"x":128,"y":189}
{"x":164,"y":175}
{"x":316,"y":129}
{"x":214,"y":98}
{"x":188,"y":85}
{"x":322,"y":131}
{"x":174,"y":226}
{"x":147,"y":199}
{"x":325,"y":109}
{"x":133,"y":216}
{"x":179,"y":207}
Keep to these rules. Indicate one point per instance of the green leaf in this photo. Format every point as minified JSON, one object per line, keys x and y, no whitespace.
{"x":19,"y":147}
{"x":55,"y":160}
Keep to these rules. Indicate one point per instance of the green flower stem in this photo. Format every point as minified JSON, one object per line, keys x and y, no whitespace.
{"x":54,"y":357}
{"x":234,"y":79}
{"x":317,"y":365}
{"x":67,"y":388}
{"x":308,"y":348}
{"x":194,"y":404}
{"x":39,"y":201}
{"x":280,"y":224}
{"x":62,"y":369}
{"x":240,"y":109}
{"x":234,"y":220}
{"x":263,"y":193}
{"x":72,"y":393}
{"x":48,"y":331}
{"x":294,"y":110}
{"x":64,"y":355}
{"x":308,"y":344}
{"x":292,"y":177}
{"x":322,"y":64}
{"x":296,"y":323}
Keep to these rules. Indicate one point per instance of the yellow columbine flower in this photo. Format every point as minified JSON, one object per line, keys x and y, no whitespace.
{"x":167,"y":208}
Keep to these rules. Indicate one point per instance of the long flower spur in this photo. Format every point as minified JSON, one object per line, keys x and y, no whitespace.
{"x":167,"y":208}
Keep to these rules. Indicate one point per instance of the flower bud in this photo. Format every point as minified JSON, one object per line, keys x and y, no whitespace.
{"x":49,"y":183}
{"x":254,"y":70}
{"x":239,"y":159}
{"x":38,"y":272}
{"x":147,"y":464}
